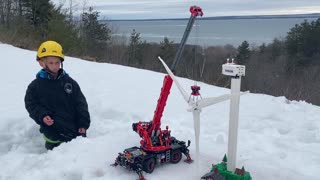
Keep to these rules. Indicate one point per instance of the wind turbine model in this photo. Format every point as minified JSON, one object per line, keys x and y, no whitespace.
{"x":196,"y":104}
{"x":227,"y":169}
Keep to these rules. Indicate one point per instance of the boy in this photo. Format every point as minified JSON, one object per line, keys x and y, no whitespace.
{"x":55,"y":101}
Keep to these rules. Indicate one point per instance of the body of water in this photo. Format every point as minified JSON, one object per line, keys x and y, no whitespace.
{"x":210,"y":32}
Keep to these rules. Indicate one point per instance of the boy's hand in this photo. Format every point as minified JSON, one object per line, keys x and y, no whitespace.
{"x":82,"y":130}
{"x":48,"y":121}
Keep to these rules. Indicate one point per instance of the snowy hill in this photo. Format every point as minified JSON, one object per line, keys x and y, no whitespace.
{"x":278,"y":139}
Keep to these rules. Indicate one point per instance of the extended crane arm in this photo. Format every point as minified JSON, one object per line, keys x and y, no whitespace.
{"x":195,"y":11}
{"x":148,"y":131}
{"x":165,"y":91}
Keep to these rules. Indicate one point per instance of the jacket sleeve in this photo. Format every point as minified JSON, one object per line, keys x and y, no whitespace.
{"x":34,"y":108}
{"x":81,"y":106}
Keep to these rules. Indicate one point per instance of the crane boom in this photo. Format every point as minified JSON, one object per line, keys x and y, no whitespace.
{"x":195,"y":11}
{"x":151,"y":131}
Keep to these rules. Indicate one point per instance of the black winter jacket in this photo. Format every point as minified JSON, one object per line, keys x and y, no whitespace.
{"x":62,"y":100}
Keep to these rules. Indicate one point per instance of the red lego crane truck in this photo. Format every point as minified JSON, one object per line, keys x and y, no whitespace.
{"x":157,"y":146}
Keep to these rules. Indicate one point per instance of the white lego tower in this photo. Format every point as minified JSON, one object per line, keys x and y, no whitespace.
{"x":235,"y":71}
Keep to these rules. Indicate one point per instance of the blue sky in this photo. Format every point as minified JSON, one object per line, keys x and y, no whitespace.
{"x":152,"y":9}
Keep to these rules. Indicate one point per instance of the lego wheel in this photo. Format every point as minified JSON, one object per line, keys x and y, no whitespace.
{"x":149,"y":165}
{"x":176,"y":156}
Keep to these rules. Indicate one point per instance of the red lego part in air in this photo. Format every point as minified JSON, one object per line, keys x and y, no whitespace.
{"x":196,"y":11}
{"x":195,"y":90}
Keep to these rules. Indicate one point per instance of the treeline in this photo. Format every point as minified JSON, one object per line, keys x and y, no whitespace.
{"x":27,"y":23}
{"x":286,"y":67}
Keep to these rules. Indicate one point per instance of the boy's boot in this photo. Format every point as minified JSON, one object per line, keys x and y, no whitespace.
{"x":50,"y":146}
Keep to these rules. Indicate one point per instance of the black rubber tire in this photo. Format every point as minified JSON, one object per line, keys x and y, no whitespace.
{"x":176,"y":156}
{"x":149,"y":165}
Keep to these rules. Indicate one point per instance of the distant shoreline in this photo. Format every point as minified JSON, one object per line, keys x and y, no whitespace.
{"x":286,"y":16}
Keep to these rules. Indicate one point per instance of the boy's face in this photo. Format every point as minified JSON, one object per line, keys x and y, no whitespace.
{"x":52,"y":63}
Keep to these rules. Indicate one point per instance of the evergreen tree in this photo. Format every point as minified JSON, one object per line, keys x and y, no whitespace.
{"x":277,"y":48}
{"x":64,"y":31}
{"x":243,"y":53}
{"x":167,"y":50}
{"x":135,"y":49}
{"x":303,"y":42}
{"x":38,"y":13}
{"x":94,"y":34}
{"x":262,"y":48}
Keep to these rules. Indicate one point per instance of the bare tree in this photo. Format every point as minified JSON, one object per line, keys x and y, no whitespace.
{"x":2,"y":12}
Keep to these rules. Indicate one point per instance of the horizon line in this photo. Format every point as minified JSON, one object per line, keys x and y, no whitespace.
{"x":306,"y":15}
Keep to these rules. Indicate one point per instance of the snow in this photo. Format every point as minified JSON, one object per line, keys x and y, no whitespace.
{"x":278,"y":138}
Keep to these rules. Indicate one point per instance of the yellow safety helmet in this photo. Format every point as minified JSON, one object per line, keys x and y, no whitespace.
{"x":50,"y":48}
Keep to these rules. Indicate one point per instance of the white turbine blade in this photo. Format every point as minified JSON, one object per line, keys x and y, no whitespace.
{"x":182,"y":91}
{"x":214,"y":100}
